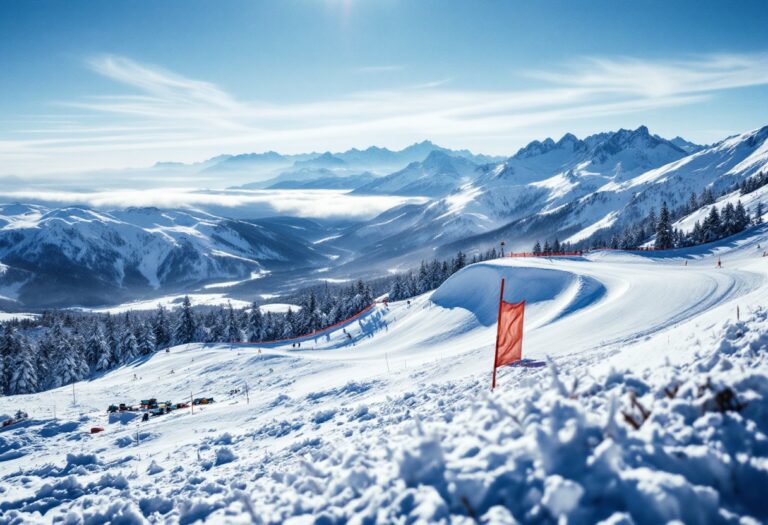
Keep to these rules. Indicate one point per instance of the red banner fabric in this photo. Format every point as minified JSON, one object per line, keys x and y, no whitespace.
{"x":509,"y":346}
{"x":509,"y":335}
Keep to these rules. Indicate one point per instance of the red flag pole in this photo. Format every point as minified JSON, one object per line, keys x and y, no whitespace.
{"x":498,"y":333}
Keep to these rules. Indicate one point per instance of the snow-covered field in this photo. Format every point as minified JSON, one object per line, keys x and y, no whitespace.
{"x":174,"y":301}
{"x":9,"y":316}
{"x":645,"y":401}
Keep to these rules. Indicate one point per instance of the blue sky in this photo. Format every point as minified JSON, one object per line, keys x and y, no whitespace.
{"x":88,"y":85}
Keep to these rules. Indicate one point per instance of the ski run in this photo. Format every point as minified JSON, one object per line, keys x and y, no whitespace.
{"x":643,"y":398}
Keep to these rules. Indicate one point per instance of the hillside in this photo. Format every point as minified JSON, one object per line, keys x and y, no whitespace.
{"x":399,"y":424}
{"x":77,"y":255}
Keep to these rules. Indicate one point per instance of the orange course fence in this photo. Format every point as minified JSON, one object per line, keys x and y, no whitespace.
{"x":578,"y":253}
{"x":545,"y":254}
{"x":319,"y":331}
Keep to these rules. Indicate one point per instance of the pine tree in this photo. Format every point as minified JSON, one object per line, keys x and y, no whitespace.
{"x":65,"y":366}
{"x":10,"y":346}
{"x":693,"y":204}
{"x":255,"y":324}
{"x":79,"y":352}
{"x":145,"y":340}
{"x":186,"y":328}
{"x":537,"y":248}
{"x":288,"y":325}
{"x":162,"y":333}
{"x":24,"y":371}
{"x":614,"y":243}
{"x":664,"y":240}
{"x":214,"y":327}
{"x":459,"y":262}
{"x":397,"y":291}
{"x":129,"y":348}
{"x":627,"y":240}
{"x":423,"y":278}
{"x":106,"y":358}
{"x":728,"y":220}
{"x":758,"y":213}
{"x":110,"y":335}
{"x":44,"y":358}
{"x":652,"y":221}
{"x":712,"y":228}
{"x":697,"y":234}
{"x":233,"y":333}
{"x":741,"y":218}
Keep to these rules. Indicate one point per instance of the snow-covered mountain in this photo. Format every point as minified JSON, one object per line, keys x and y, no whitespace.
{"x":541,"y":179}
{"x":83,"y":256}
{"x":437,"y":175}
{"x":621,"y":202}
{"x":687,"y":146}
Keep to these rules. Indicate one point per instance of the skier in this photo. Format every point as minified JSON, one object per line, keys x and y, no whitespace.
{"x":719,"y":264}
{"x":145,"y":417}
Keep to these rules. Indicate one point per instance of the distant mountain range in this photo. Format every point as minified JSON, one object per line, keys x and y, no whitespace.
{"x":82,"y":256}
{"x":568,"y":189}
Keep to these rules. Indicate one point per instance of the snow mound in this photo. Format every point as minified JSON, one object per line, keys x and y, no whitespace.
{"x":476,"y":288}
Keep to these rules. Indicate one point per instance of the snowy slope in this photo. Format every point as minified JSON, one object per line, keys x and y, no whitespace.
{"x":103,"y":256}
{"x":398,"y":425}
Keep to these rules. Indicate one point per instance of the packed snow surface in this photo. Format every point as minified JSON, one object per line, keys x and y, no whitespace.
{"x":643,"y":400}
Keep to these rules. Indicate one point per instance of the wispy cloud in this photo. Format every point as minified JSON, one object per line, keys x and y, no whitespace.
{"x":663,"y":78}
{"x":167,"y":116}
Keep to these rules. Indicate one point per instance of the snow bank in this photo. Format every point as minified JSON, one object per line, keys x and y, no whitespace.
{"x":476,"y":288}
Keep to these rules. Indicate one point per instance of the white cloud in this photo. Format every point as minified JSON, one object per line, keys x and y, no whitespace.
{"x":252,"y":203}
{"x":167,"y":116}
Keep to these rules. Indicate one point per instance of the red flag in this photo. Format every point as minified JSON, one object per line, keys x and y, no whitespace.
{"x":509,"y":334}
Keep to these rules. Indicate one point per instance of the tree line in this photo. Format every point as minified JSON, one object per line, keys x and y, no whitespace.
{"x":658,"y":227}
